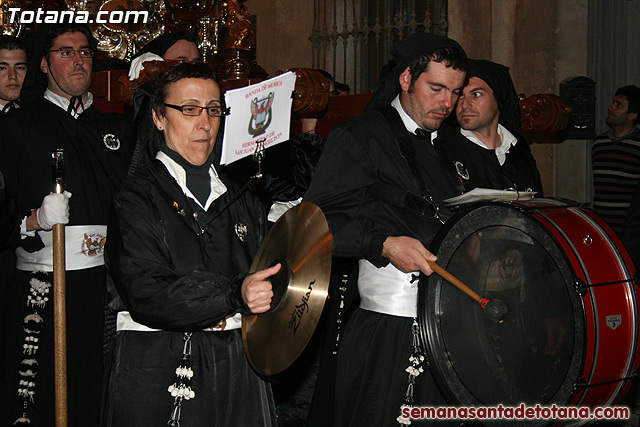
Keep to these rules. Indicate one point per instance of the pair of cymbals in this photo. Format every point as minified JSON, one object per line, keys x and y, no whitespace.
{"x":301,"y":241}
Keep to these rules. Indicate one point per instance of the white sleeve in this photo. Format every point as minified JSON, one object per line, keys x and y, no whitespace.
{"x":137,"y":64}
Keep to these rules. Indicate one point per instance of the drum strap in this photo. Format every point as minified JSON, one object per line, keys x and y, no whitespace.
{"x":423,"y":203}
{"x":396,"y":196}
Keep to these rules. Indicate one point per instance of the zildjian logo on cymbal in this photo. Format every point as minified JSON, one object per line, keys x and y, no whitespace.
{"x":300,"y":309}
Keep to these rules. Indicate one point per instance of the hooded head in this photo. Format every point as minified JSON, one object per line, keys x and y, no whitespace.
{"x":408,"y":52}
{"x":498,"y":78}
{"x":161,"y":44}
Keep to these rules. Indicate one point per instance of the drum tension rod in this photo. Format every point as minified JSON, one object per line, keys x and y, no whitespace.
{"x":581,"y":286}
{"x":582,"y":384}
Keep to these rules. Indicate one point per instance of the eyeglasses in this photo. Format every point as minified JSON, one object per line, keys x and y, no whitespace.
{"x":67,"y":52}
{"x":424,"y":205}
{"x":196,"y":110}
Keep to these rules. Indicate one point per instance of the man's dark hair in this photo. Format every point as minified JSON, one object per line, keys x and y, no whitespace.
{"x":59,"y":29}
{"x":342,"y":87}
{"x":184,"y":70}
{"x":338,"y":87}
{"x":12,"y":43}
{"x":415,"y":52}
{"x":449,"y":56}
{"x":327,"y":75}
{"x":161,"y":44}
{"x":632,"y":93}
{"x":191,"y":36}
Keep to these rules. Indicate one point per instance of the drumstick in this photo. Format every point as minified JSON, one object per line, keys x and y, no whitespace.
{"x":494,"y":310}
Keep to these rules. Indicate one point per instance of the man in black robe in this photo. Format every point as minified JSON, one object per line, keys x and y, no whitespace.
{"x":13,"y":68}
{"x":381,"y":183}
{"x":96,"y":156}
{"x":495,"y":151}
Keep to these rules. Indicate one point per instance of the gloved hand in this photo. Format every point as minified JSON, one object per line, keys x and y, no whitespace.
{"x":137,"y":64}
{"x":54,"y":210}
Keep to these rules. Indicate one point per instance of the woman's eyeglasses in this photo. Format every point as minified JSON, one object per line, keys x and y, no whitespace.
{"x":196,"y":110}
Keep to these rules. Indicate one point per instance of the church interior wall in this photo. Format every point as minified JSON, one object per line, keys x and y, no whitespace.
{"x":542,"y":41}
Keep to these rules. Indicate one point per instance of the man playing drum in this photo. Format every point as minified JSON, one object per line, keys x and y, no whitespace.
{"x":393,"y":150}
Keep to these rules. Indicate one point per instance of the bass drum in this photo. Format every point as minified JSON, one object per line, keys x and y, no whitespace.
{"x":570,"y":336}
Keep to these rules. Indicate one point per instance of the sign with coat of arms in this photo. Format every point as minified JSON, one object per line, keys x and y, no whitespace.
{"x":258,"y":112}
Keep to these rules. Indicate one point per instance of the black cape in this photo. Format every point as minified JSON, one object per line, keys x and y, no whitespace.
{"x":94,"y":169}
{"x":363,"y":152}
{"x":519,"y":170}
{"x":374,"y":348}
{"x":170,"y":278}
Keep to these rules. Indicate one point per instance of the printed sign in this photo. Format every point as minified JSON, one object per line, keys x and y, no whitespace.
{"x":258,"y":112}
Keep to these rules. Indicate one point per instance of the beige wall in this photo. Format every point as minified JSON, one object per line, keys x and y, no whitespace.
{"x":283,"y":30}
{"x":542,"y":41}
{"x":573,"y":157}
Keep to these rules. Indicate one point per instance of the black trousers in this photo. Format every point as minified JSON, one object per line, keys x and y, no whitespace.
{"x":371,"y":381}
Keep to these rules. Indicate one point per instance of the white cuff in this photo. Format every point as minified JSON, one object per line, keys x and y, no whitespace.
{"x":23,"y":230}
{"x":279,"y":208}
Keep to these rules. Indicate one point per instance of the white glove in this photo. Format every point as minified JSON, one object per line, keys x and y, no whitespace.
{"x":137,"y":64}
{"x":54,"y":210}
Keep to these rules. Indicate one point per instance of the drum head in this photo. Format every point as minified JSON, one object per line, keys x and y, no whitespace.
{"x":535,"y":354}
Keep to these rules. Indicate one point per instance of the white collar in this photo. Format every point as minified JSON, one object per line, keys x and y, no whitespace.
{"x":179,"y":174}
{"x":507,"y":138}
{"x":63,"y":102}
{"x":409,"y":123}
{"x":4,"y":103}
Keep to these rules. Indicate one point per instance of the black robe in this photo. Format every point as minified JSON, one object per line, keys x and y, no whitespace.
{"x":8,"y":222}
{"x":519,"y":170}
{"x":374,"y":348}
{"x":363,"y":152}
{"x":93,"y":173}
{"x":8,"y":216}
{"x":170,"y":278}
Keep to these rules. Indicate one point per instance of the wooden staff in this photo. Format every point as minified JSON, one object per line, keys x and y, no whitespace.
{"x":59,"y":299}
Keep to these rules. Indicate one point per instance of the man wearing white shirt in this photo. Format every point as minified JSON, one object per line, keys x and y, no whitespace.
{"x":96,"y":156}
{"x":381,"y":182}
{"x":498,"y":155}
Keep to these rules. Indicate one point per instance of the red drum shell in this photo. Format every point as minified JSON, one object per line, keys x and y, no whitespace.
{"x":598,"y":256}
{"x":575,"y":249}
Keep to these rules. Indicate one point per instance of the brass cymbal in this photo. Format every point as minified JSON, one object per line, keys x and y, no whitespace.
{"x":302,"y":242}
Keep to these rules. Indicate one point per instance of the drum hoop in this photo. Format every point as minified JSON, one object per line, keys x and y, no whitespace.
{"x":431,"y":334}
{"x":628,"y":370}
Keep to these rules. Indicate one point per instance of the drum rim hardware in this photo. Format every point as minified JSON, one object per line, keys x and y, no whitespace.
{"x":582,"y":287}
{"x":561,"y":222}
